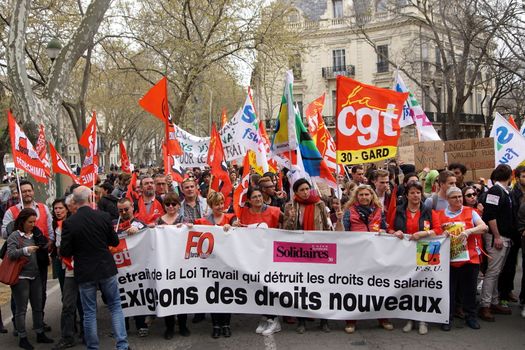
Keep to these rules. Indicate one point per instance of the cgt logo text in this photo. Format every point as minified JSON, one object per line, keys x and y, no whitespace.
{"x":121,"y":254}
{"x":199,"y":245}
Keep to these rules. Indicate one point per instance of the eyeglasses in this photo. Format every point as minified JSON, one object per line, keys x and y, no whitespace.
{"x":124,"y":210}
{"x":470,"y":195}
{"x":170,"y":204}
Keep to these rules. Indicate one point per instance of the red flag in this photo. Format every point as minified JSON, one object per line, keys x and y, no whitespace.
{"x":59,"y":164}
{"x":311,"y":113}
{"x":219,"y":170}
{"x":155,"y":102}
{"x":24,"y":155}
{"x":42,"y":150}
{"x":124,"y":159}
{"x":224,"y":118}
{"x":391,"y":210}
{"x":513,"y":123}
{"x":88,"y":140}
{"x":239,"y":195}
{"x":131,"y":193}
{"x":171,"y":165}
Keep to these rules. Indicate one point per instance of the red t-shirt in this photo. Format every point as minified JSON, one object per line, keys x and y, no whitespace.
{"x":412,"y":222}
{"x":270,"y":216}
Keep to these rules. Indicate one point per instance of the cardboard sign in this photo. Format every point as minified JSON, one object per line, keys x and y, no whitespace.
{"x":405,"y":154}
{"x":473,"y":159}
{"x":429,"y":154}
{"x":458,"y":145}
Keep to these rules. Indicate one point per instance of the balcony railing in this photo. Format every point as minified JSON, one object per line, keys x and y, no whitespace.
{"x":464,"y":118}
{"x":329,"y":121}
{"x":332,"y":72}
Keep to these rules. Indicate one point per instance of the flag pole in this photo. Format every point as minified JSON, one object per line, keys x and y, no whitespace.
{"x":19,"y":189}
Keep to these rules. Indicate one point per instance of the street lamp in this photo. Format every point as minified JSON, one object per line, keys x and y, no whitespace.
{"x":53,"y":49}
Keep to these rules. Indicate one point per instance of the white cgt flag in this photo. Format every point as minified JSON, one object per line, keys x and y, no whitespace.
{"x":413,"y":113}
{"x":509,"y":144}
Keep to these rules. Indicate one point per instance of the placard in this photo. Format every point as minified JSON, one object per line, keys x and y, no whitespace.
{"x":429,"y":154}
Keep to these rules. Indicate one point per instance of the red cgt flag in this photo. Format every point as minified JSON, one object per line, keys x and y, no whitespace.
{"x":24,"y":155}
{"x":42,"y":150}
{"x":59,"y":164}
{"x":219,"y":170}
{"x":155,"y":102}
{"x":88,"y":140}
{"x":124,"y":159}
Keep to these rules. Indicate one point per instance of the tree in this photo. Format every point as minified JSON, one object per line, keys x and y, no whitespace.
{"x":463,"y":34}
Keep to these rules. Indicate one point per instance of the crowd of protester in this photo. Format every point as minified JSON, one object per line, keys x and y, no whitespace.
{"x":492,"y":213}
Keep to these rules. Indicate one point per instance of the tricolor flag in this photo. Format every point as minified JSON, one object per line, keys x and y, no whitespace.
{"x":59,"y":164}
{"x":88,"y":140}
{"x":284,"y":138}
{"x":413,"y":113}
{"x":42,"y":150}
{"x":24,"y":155}
{"x":239,"y":195}
{"x":124,"y":159}
{"x":219,"y":169}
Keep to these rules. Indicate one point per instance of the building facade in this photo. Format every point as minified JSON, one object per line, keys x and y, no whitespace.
{"x":339,"y":39}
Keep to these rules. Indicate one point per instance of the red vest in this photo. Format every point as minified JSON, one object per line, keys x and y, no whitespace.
{"x":41,"y":221}
{"x":270,"y":216}
{"x":226,"y":219}
{"x":473,"y":241}
{"x":374,"y":221}
{"x":156,"y":210}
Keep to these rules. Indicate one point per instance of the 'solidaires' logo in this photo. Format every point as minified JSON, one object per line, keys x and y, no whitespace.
{"x":319,"y":253}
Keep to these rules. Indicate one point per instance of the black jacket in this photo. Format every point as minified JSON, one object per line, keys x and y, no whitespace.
{"x":86,"y":236}
{"x":498,"y":206}
{"x":108,"y":204}
{"x":400,"y":222}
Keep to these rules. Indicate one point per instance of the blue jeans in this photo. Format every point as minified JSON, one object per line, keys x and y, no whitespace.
{"x":88,"y":296}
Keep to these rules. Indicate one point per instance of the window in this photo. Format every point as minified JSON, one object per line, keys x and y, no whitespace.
{"x":337,"y":8}
{"x":295,"y":65}
{"x":382,"y":59}
{"x":339,"y":60}
{"x":424,"y":57}
{"x":438,"y":58}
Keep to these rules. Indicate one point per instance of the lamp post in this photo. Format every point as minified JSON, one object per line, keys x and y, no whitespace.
{"x":53,"y":49}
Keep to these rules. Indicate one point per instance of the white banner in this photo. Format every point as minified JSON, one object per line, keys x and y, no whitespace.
{"x":331,"y":275}
{"x":509,"y":144}
{"x":195,"y":148}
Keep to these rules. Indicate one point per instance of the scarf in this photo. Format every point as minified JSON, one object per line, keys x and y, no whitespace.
{"x":156,"y":211}
{"x":309,"y":209}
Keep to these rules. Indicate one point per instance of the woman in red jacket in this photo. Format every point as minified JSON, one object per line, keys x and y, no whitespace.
{"x":215,"y":200}
{"x":364,"y":213}
{"x":258,"y":212}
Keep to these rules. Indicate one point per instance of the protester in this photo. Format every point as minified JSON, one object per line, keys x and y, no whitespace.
{"x":381,"y":185}
{"x":438,"y":201}
{"x":161,"y":185}
{"x":271,"y":196}
{"x":363,"y":213}
{"x":257,"y":212}
{"x":215,"y":200}
{"x":498,"y":215}
{"x":470,"y":199}
{"x":205,"y":183}
{"x":28,"y":241}
{"x":148,"y":208}
{"x":306,"y":212}
{"x":193,"y":206}
{"x":60,"y":213}
{"x":414,"y":219}
{"x":123,"y":182}
{"x":459,"y":170}
{"x":173,"y":217}
{"x":358,"y":174}
{"x":87,"y":235}
{"x":463,"y":274}
{"x":108,"y":202}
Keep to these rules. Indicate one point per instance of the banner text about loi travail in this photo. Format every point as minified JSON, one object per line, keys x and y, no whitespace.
{"x":297,"y":296}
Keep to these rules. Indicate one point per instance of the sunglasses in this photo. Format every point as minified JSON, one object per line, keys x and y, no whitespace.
{"x":470,"y":195}
{"x":170,"y":204}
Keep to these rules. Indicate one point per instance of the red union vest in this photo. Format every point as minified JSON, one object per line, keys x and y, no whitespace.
{"x":374,"y":221}
{"x":41,"y":221}
{"x":270,"y":216}
{"x":156,"y":210}
{"x":473,"y":241}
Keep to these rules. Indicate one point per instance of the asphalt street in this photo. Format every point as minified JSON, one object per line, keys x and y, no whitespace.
{"x":508,"y":332}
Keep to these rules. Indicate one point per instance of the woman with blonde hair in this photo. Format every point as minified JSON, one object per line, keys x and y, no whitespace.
{"x":363,"y":213}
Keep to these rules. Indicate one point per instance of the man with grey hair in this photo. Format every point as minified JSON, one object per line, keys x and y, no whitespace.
{"x":86,"y":236}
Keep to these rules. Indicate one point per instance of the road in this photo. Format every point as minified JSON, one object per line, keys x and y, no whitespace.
{"x":508,"y":332}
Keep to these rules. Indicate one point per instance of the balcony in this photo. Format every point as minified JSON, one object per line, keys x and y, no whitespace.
{"x":332,"y":72}
{"x":465,"y":118}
